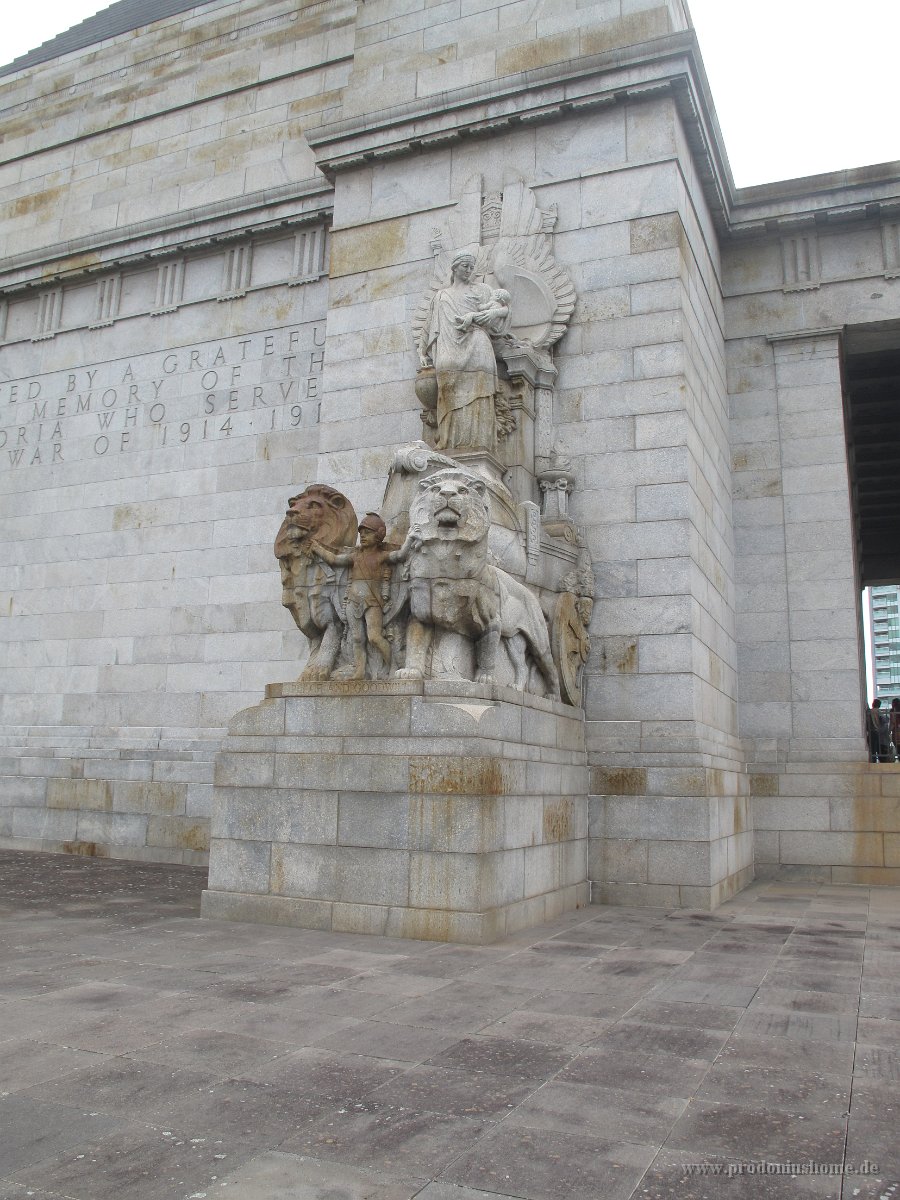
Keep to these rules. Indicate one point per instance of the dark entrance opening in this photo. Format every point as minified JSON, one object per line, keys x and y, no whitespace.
{"x":872,"y":424}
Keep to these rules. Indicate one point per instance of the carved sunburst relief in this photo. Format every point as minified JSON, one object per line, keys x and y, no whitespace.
{"x":510,"y":239}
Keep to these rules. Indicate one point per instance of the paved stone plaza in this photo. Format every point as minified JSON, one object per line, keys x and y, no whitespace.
{"x":147,"y":1054}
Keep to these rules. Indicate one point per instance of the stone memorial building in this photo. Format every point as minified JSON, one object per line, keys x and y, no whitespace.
{"x":237,"y":242}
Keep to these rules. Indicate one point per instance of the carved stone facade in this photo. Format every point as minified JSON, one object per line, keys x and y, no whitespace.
{"x":259,"y":255}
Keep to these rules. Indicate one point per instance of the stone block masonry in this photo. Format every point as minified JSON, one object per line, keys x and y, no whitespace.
{"x":163,"y":228}
{"x":424,"y":809}
{"x":834,"y":822}
{"x":215,"y":233}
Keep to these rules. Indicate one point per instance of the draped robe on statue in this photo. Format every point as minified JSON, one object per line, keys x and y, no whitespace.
{"x":465,"y":367}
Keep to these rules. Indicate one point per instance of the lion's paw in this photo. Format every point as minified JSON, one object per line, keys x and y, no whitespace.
{"x":315,"y":675}
{"x":408,"y":673}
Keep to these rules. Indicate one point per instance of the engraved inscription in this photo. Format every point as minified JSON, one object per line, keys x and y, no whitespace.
{"x":249,"y":385}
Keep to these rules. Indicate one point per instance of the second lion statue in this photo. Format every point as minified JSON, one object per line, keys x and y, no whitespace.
{"x":452,"y":585}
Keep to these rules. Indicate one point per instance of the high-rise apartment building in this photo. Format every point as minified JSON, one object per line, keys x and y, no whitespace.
{"x":884,"y":627}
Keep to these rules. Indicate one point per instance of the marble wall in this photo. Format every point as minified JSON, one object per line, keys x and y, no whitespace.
{"x":215,"y":233}
{"x":164,"y":231}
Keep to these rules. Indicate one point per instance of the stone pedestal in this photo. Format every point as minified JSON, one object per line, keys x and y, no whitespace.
{"x":426,"y":809}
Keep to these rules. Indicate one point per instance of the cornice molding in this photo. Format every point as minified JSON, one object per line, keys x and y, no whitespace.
{"x":669,"y":65}
{"x":256,"y":213}
{"x":528,"y":97}
{"x":743,"y":225}
{"x":805,"y":335}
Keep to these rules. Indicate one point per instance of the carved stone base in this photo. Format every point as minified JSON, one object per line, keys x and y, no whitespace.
{"x":483,"y":463}
{"x":424,"y":809}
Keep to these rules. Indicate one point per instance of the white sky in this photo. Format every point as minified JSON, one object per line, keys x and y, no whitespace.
{"x":800,"y":86}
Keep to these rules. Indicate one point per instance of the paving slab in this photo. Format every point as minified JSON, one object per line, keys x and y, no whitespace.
{"x":677,"y":1175}
{"x":759,"y":1133}
{"x":34,"y":1129}
{"x":539,"y":1165}
{"x":279,"y":1176}
{"x":774,"y":1088}
{"x":389,"y":1138}
{"x":611,"y":1113}
{"x":144,"y":1162}
{"x":622,"y":1053}
{"x":328,"y":1074}
{"x":875,"y":1031}
{"x":401,"y":1043}
{"x":510,"y":1057}
{"x":555,"y":1029}
{"x":458,"y":1093}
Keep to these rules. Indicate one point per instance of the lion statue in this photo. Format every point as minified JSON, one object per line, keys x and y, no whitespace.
{"x":310,"y":587}
{"x":453,"y":586}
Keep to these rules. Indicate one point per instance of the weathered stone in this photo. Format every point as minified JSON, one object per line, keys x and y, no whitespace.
{"x":285,"y":193}
{"x":446,"y":846}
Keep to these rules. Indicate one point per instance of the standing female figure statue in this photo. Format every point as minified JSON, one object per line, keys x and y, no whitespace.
{"x":463,"y":319}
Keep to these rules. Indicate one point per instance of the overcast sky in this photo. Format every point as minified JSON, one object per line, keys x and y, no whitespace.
{"x":800,"y":86}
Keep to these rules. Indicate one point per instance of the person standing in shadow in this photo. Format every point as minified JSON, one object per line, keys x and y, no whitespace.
{"x":881,"y":748}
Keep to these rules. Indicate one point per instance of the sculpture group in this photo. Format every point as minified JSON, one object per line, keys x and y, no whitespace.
{"x":371,"y":610}
{"x":459,"y":577}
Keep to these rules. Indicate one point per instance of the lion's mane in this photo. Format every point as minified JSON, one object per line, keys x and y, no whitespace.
{"x":319,"y":512}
